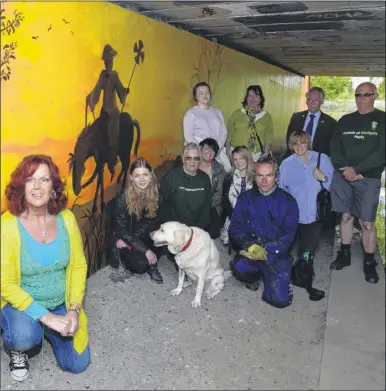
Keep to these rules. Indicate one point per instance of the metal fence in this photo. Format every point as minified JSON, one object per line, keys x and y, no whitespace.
{"x":339,"y":108}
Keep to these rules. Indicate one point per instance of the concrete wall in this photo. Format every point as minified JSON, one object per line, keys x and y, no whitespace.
{"x":51,"y":60}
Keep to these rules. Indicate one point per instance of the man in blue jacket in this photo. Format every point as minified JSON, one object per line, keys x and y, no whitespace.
{"x":263,"y":225}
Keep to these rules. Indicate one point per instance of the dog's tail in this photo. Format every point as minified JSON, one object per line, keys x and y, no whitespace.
{"x":227,"y":274}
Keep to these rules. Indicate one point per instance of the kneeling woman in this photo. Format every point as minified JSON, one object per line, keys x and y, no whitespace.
{"x":43,"y":270}
{"x":134,"y":219}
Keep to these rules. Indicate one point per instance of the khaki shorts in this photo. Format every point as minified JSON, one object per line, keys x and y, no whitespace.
{"x":359,"y":198}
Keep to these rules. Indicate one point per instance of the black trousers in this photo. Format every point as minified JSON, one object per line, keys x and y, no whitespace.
{"x":130,"y":259}
{"x":309,"y":235}
{"x":215,"y":225}
{"x":133,"y":260}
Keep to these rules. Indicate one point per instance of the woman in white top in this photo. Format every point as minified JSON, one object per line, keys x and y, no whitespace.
{"x":204,"y":121}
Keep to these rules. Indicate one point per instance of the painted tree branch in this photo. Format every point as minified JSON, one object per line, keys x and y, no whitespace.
{"x":10,"y":26}
{"x":209,"y":65}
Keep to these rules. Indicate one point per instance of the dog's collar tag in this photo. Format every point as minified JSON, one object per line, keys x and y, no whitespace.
{"x":188,"y":242}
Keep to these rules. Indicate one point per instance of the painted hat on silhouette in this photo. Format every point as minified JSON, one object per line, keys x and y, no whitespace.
{"x":108,"y":52}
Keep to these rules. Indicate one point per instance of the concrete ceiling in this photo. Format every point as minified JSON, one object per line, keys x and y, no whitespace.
{"x":335,"y":38}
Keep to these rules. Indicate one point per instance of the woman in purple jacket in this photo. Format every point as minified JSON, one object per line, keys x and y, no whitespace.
{"x":300,"y":177}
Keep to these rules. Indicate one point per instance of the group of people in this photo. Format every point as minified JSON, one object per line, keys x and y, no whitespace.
{"x":250,"y":125}
{"x":229,"y":184}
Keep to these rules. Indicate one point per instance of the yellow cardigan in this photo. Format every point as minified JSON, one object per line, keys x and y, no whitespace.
{"x":76,"y":272}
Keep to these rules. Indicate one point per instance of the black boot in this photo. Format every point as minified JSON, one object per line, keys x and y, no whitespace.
{"x":342,"y":260}
{"x":252,"y":286}
{"x":369,"y":268}
{"x":311,"y":263}
{"x":316,"y":294}
{"x":154,"y":274}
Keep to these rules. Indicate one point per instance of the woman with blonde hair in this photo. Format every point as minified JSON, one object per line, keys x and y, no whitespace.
{"x":239,"y":180}
{"x":134,"y":218}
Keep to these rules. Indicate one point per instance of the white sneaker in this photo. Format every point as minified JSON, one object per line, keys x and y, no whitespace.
{"x":19,"y":366}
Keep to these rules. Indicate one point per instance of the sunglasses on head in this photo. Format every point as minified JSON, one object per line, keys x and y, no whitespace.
{"x":190,"y":158}
{"x":365,"y":95}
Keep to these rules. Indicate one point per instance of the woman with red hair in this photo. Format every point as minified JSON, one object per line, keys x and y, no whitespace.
{"x":43,"y":270}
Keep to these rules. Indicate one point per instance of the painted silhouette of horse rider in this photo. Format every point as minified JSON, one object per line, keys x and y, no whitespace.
{"x":111,"y":85}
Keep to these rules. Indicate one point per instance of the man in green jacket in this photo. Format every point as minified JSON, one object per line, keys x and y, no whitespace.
{"x":358,"y":156}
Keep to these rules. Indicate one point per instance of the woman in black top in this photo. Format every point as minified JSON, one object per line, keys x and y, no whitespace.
{"x":134,"y":218}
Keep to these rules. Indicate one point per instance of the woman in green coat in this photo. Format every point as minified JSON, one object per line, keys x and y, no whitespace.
{"x":251,"y":125}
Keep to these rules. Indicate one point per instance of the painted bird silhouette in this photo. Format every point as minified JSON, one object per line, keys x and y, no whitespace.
{"x":65,"y":21}
{"x":49,"y":28}
{"x":35,"y":37}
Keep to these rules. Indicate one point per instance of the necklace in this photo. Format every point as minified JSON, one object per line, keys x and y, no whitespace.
{"x":43,"y":232}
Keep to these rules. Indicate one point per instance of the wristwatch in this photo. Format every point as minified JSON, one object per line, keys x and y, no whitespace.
{"x":325,"y":179}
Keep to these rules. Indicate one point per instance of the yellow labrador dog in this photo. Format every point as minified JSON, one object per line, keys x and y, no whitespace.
{"x":196,"y":255}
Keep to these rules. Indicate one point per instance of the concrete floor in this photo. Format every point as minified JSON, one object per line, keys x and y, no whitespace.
{"x":354,"y":346}
{"x":143,"y":338}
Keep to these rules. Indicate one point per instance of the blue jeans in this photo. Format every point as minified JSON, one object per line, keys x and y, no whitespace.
{"x":21,"y":333}
{"x":276,"y":277}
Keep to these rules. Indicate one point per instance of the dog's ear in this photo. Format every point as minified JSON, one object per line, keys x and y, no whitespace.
{"x":179,"y":238}
{"x":186,"y":231}
{"x":181,"y":235}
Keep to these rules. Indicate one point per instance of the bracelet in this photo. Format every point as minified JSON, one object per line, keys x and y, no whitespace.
{"x":75,"y":308}
{"x":325,"y":179}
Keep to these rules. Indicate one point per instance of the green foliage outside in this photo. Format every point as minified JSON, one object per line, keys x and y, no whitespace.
{"x":380,"y":224}
{"x":381,"y":90}
{"x":339,"y":92}
{"x":340,"y":88}
{"x":335,"y":87}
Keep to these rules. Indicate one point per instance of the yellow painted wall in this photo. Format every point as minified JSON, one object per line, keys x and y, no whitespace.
{"x":58,"y":61}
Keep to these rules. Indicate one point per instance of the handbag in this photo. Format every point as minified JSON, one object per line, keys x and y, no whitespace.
{"x":324,"y":211}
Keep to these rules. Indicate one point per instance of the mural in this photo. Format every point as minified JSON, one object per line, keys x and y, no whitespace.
{"x":94,"y":85}
{"x":111,"y":134}
{"x":8,"y":27}
{"x":208,"y":65}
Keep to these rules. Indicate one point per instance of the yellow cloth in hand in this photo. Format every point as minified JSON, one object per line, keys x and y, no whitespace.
{"x":255,"y":252}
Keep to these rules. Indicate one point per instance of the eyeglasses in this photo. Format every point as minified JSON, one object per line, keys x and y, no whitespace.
{"x":365,"y":95}
{"x":190,"y":158}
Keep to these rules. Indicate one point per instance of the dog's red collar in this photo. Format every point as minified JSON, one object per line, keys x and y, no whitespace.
{"x":188,"y":242}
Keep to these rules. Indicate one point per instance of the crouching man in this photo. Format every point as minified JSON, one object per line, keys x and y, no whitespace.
{"x":263,"y":225}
